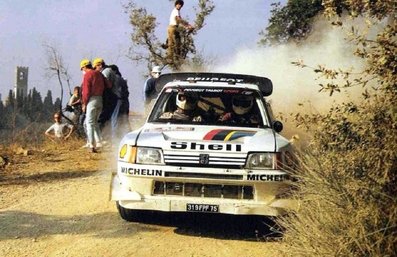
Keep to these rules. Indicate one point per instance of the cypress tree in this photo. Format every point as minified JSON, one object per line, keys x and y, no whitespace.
{"x":48,"y":107}
{"x":36,"y":106}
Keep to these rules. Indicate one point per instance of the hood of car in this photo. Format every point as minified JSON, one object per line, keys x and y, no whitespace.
{"x":207,"y":138}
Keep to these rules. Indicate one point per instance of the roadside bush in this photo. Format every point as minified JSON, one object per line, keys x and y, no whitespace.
{"x":348,"y":203}
{"x":347,"y":181}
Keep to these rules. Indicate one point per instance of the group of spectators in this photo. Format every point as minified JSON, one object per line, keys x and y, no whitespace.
{"x":100,"y":106}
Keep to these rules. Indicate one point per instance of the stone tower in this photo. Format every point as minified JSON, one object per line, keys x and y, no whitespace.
{"x":21,"y":81}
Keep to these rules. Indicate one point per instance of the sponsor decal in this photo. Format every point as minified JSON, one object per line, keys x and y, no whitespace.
{"x":266,"y":177}
{"x":206,"y":146}
{"x":227,"y":135}
{"x":165,"y":129}
{"x":220,"y":79}
{"x":196,"y":90}
{"x":231,"y":91}
{"x":142,"y":172}
{"x":214,"y":90}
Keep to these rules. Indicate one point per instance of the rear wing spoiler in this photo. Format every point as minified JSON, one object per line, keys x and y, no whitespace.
{"x":265,"y":85}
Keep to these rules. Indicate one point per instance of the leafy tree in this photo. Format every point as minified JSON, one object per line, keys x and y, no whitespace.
{"x":377,"y":9}
{"x":146,"y":47}
{"x":292,"y":22}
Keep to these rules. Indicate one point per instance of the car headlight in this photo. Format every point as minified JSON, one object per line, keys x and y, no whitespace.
{"x":146,"y":155}
{"x":141,"y":155}
{"x":261,"y":161}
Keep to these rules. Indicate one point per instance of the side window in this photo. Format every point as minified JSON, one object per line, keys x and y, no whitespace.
{"x":256,"y":114}
{"x":166,"y":104}
{"x":170,"y":105}
{"x":162,"y":105}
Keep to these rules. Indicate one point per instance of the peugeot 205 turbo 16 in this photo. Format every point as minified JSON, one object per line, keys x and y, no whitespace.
{"x":209,"y":145}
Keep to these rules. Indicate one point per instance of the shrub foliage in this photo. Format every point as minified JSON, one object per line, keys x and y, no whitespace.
{"x":347,"y":182}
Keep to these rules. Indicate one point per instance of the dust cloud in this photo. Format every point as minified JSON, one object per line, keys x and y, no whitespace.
{"x":327,"y":46}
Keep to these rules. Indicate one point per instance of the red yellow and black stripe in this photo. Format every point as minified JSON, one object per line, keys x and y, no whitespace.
{"x":227,"y":135}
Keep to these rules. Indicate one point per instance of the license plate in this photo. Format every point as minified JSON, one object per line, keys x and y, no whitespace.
{"x":192,"y":207}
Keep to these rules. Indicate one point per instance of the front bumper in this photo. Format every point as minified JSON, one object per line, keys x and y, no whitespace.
{"x":130,"y":199}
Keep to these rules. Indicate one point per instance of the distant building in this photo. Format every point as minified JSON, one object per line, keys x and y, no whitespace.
{"x":21,"y":81}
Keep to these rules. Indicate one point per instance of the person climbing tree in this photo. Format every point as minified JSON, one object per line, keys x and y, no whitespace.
{"x":174,"y":37}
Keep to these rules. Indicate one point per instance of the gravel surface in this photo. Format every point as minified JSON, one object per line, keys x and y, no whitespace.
{"x":55,"y":202}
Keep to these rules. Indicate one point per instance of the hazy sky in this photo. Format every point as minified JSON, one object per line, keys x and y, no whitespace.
{"x":100,"y":28}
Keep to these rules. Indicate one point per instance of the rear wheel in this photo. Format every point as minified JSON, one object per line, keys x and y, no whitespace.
{"x":128,"y":214}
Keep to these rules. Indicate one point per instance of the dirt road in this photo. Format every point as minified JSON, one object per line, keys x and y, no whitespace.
{"x":54,"y":202}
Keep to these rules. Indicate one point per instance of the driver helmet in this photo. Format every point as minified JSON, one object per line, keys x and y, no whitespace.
{"x":242,"y":104}
{"x":186,"y":102}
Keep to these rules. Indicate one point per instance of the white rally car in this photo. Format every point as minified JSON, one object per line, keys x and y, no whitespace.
{"x":209,"y":145}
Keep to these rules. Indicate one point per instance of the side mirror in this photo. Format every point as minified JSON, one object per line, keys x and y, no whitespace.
{"x":277,"y":126}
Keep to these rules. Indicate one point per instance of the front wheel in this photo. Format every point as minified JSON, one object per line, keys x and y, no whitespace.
{"x":127,"y":214}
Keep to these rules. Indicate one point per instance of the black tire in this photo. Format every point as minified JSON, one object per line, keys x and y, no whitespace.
{"x":128,"y":214}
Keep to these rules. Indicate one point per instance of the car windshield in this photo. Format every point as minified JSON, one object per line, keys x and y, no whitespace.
{"x":210,"y":106}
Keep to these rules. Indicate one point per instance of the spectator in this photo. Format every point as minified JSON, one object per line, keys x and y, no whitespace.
{"x":109,"y":98}
{"x":92,"y":91}
{"x":119,"y":118}
{"x":174,"y":37}
{"x":59,"y":129}
{"x":73,"y":108}
{"x":150,"y":92}
{"x":75,"y":99}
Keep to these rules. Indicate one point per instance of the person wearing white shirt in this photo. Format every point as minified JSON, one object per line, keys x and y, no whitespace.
{"x":174,"y":38}
{"x":58,"y":129}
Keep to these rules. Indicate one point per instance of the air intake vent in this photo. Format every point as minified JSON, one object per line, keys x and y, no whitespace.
{"x":204,"y":160}
{"x":203,"y":190}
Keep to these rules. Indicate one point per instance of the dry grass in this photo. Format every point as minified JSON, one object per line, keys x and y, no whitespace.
{"x":49,"y":160}
{"x":348,"y":203}
{"x":32,"y":135}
